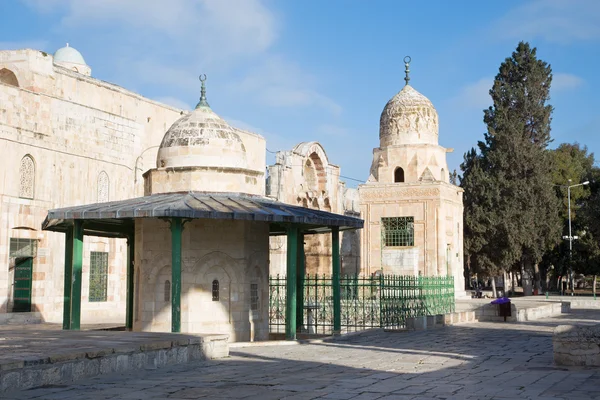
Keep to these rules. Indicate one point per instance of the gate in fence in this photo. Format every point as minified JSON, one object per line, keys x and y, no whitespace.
{"x":385,"y":301}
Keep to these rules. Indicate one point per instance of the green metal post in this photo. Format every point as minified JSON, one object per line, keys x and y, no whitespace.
{"x":290,"y":304}
{"x":77,"y":264}
{"x":130,"y":288}
{"x":335,"y":279}
{"x":68,"y":279}
{"x":301,"y":267}
{"x":176,"y":229}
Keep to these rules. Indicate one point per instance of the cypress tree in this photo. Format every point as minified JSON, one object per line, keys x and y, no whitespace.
{"x":515,"y":198}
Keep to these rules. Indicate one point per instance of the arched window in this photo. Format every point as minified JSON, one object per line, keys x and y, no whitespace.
{"x":8,"y":77}
{"x":27,"y":177}
{"x":215,"y":290}
{"x":103,"y":187}
{"x":443,"y":177}
{"x":399,"y":175}
{"x":167,"y":292}
{"x":309,"y":175}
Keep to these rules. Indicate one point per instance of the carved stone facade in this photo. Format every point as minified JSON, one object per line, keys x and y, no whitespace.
{"x":305,"y":177}
{"x":68,"y":139}
{"x":413,"y":215}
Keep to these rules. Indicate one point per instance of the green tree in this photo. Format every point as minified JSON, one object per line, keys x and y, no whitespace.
{"x":572,"y":165}
{"x":514,"y":198}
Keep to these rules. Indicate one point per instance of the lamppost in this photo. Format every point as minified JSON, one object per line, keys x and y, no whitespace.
{"x":571,"y":237}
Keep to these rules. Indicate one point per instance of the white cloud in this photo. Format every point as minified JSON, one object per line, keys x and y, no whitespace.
{"x":281,"y":83}
{"x":562,"y":81}
{"x":171,"y":42}
{"x":556,"y":21}
{"x":475,"y":95}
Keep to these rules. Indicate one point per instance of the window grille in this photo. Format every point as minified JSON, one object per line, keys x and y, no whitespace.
{"x":254,"y":296}
{"x":27,"y":177}
{"x":98,"y":276}
{"x":167,"y":297}
{"x":398,"y":231}
{"x":103,"y":189}
{"x":22,"y":248}
{"x":215,"y":290}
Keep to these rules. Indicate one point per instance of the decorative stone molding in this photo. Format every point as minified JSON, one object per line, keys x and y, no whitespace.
{"x":397,"y":193}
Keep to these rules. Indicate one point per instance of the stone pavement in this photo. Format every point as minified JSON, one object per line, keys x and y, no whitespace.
{"x":476,"y":361}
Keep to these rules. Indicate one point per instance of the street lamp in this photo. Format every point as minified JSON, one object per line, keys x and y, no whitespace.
{"x":571,"y":237}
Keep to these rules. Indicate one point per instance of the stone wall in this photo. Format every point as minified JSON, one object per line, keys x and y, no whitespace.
{"x":89,"y":141}
{"x":438,"y":229}
{"x":234,"y":253}
{"x":577,"y":345}
{"x":305,"y":177}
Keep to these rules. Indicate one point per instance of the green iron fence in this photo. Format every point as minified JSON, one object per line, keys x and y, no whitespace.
{"x":366,"y":302}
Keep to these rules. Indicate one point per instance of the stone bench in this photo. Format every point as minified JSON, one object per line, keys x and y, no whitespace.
{"x":577,"y":345}
{"x":437,"y":321}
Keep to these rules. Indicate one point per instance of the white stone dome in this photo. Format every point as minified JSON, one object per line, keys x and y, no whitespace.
{"x":68,"y":54}
{"x":201,"y":139}
{"x":408,"y":118}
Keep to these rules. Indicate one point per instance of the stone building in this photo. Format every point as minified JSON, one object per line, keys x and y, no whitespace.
{"x":305,"y":177}
{"x":413,"y":214}
{"x":212,"y":276}
{"x":67,"y":138}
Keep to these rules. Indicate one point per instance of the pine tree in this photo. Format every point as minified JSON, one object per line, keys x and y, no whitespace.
{"x":515,"y":199}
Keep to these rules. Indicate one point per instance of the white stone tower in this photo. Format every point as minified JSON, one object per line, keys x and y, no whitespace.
{"x":413,"y":215}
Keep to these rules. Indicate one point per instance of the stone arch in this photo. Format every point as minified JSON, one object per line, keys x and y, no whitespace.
{"x":398,"y":175}
{"x":320,"y":173}
{"x":103,"y":187}
{"x":310,"y":174}
{"x":161,"y":310}
{"x":8,"y":77}
{"x":27,"y":177}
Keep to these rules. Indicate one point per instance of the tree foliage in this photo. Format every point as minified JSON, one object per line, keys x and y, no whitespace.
{"x":511,"y":208}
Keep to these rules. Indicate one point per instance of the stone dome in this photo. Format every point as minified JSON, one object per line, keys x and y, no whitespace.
{"x":68,"y":54}
{"x":408,"y":118}
{"x":201,"y":139}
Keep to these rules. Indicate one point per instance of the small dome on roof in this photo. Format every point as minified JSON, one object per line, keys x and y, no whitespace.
{"x":68,"y":54}
{"x":202,"y":139}
{"x":408,"y":118}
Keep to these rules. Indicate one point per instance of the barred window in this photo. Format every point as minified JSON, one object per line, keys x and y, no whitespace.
{"x":103,"y":189}
{"x":22,"y":248}
{"x":398,"y":231}
{"x":254,"y":296}
{"x":215,"y":290}
{"x":167,"y":297}
{"x":27,"y":177}
{"x":98,"y":276}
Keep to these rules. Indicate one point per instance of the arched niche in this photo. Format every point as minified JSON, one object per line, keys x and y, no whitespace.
{"x":27,"y":177}
{"x":8,"y":77}
{"x":398,"y":175}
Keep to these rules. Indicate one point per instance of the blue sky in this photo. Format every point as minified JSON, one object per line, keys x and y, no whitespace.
{"x":324,"y":69}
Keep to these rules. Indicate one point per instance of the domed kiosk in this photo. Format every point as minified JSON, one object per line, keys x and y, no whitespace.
{"x":70,"y":58}
{"x":414,"y":214}
{"x":212,"y":276}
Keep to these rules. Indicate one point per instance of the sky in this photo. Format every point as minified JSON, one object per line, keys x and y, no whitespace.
{"x":322,"y":70}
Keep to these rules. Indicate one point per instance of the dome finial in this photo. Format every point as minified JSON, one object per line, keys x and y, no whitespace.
{"x":407,"y":61}
{"x":202,"y":102}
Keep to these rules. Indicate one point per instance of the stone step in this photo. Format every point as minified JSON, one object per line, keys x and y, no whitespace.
{"x":24,"y":318}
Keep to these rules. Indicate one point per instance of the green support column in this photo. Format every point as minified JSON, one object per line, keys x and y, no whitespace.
{"x":176,"y":229}
{"x":290,"y":304}
{"x":335,"y":279}
{"x":301,"y":268}
{"x":68,"y":279}
{"x":77,"y":264}
{"x":130,"y":280}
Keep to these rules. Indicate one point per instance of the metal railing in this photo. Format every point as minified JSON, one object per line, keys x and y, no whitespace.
{"x":366,"y":302}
